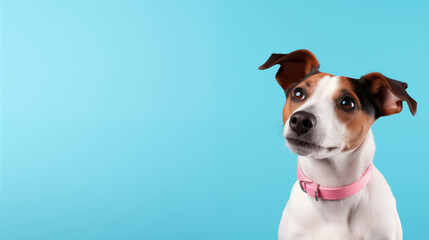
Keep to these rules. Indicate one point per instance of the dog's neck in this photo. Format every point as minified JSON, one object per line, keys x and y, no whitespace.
{"x":341,"y":169}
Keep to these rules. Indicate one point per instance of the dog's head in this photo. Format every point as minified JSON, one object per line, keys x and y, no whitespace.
{"x":325,"y":114}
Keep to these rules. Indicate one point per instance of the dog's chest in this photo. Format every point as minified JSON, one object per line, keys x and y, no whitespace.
{"x":304,"y":218}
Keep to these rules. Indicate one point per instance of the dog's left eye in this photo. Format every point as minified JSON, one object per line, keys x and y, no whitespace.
{"x":298,"y":94}
{"x":348,"y":103}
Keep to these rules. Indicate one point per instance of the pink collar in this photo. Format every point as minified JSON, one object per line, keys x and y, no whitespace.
{"x":336,"y":193}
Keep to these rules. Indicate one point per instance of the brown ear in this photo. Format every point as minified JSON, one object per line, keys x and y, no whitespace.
{"x":293,"y":66}
{"x":389,"y":94}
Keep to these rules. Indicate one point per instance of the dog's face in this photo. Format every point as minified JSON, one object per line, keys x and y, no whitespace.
{"x":324,"y":114}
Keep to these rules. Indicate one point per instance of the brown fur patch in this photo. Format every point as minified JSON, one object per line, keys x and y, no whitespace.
{"x":357,"y":122}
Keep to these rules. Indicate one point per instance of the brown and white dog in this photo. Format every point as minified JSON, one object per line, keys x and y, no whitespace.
{"x":327,"y":122}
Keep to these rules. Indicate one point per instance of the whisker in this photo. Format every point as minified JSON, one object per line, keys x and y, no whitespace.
{"x":278,"y":129}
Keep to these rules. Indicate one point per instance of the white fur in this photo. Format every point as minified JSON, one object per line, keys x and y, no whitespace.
{"x":369,"y":214}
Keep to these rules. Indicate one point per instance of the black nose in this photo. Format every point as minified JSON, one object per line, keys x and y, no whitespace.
{"x":301,"y":122}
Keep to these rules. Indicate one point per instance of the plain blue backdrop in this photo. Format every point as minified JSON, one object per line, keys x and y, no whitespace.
{"x":150,"y":120}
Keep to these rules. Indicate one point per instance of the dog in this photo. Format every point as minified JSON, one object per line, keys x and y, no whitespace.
{"x":327,"y":120}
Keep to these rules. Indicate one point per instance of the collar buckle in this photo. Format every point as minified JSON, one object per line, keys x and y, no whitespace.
{"x":316,"y":192}
{"x":302,"y":186}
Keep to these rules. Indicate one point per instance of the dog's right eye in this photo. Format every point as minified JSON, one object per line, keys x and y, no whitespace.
{"x":348,"y":103}
{"x":298,"y":94}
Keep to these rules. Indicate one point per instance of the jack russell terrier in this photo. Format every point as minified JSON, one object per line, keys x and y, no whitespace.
{"x":339,"y":193}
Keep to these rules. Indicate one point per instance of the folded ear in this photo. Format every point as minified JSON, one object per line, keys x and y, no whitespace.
{"x":293,"y":66}
{"x":389,"y":94}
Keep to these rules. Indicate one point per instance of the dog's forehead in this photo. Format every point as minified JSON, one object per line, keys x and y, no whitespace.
{"x":325,"y":85}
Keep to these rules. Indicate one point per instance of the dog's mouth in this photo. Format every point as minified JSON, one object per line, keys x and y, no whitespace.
{"x":307,"y":144}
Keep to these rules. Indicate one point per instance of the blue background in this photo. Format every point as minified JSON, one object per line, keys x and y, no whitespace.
{"x":150,"y":120}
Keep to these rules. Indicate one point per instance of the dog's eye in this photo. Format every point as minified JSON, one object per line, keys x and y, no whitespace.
{"x":348,"y":103}
{"x":298,"y":94}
